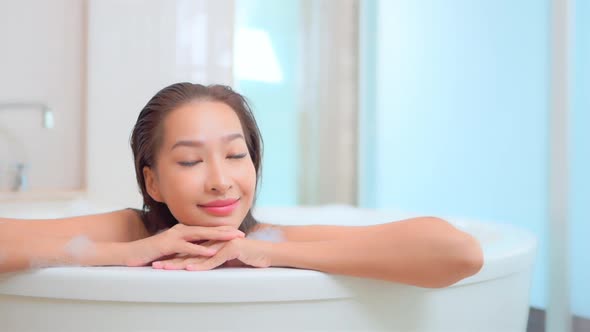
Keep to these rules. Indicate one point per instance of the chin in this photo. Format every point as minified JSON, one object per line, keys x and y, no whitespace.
{"x":221,"y":221}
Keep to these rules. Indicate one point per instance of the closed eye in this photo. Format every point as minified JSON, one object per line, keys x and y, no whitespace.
{"x":193,"y":163}
{"x":237,"y":156}
{"x":189,"y":163}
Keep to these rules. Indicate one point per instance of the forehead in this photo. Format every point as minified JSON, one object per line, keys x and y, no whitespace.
{"x":201,"y":120}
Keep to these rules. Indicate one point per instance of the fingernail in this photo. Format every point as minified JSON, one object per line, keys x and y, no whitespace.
{"x":157,"y":264}
{"x":190,"y":267}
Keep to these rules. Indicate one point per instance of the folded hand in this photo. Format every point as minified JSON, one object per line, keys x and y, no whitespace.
{"x":236,"y":252}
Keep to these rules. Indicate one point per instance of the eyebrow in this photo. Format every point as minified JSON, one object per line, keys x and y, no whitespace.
{"x":197,"y":144}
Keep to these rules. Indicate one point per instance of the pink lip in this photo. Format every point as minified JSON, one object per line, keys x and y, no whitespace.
{"x":221,"y":207}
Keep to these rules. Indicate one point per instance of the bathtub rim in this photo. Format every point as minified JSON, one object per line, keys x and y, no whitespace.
{"x":514,"y":253}
{"x":264,"y":285}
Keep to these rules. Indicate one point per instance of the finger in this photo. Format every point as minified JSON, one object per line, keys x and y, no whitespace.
{"x":178,"y":263}
{"x":195,"y":249}
{"x":209,"y":243}
{"x":222,"y":256}
{"x":195,"y":260}
{"x":228,"y":229}
{"x":167,"y":257}
{"x":170,"y":264}
{"x":232,"y":230}
{"x":160,"y":261}
{"x":212,"y":263}
{"x":210,"y":233}
{"x":225,"y":228}
{"x":216,"y":245}
{"x":189,"y":260}
{"x":218,"y":228}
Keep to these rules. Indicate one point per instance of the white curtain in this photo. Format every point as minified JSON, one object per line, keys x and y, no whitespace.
{"x":329,"y":101}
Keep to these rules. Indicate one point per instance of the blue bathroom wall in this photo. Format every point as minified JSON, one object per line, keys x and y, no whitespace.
{"x":367,"y":144}
{"x":455,"y":103}
{"x":274,"y":101}
{"x":580,"y":177}
{"x":462,"y":102}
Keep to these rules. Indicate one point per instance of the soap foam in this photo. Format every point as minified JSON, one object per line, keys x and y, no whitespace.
{"x":270,"y":234}
{"x":78,"y":247}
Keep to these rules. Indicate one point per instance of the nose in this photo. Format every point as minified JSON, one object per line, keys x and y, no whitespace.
{"x":217,"y":180}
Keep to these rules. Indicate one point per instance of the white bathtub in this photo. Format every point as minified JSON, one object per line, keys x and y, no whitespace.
{"x":273,"y":299}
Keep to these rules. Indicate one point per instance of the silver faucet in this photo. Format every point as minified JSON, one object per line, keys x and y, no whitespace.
{"x":21,"y":182}
{"x":45,"y":110}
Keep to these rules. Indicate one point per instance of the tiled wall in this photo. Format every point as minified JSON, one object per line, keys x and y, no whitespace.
{"x":42,"y":61}
{"x":462,"y":103}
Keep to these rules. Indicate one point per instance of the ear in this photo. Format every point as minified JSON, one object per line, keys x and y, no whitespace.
{"x":151,"y":184}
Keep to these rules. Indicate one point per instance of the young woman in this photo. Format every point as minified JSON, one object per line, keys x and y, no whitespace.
{"x":198,"y":155}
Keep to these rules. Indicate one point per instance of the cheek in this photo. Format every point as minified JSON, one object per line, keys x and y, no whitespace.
{"x":249,"y":179}
{"x":179,"y":185}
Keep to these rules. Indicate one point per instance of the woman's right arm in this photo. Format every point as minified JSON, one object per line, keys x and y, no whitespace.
{"x":114,"y":238}
{"x":84,"y":240}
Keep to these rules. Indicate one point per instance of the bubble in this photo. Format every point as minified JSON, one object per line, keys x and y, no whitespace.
{"x":79,"y":246}
{"x":270,"y":234}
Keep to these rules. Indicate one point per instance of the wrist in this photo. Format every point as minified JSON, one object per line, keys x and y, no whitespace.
{"x":127,"y":253}
{"x":278,"y":254}
{"x":108,"y":254}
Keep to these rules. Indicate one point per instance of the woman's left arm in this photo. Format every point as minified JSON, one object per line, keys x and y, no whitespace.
{"x":426,"y":252}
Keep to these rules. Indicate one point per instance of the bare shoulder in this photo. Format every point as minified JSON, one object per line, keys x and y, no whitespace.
{"x":116,"y":226}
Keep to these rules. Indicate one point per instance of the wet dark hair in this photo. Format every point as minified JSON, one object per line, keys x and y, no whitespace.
{"x":147,"y":138}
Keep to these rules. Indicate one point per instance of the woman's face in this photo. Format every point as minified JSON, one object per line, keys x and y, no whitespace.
{"x":203,"y":171}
